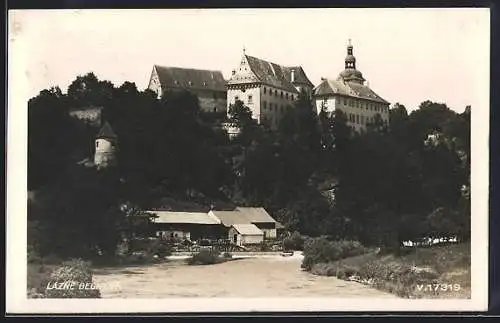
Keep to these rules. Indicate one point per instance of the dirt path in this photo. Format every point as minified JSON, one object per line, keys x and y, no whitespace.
{"x":254,"y":277}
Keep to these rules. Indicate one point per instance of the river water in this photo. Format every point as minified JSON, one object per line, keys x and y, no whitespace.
{"x":250,"y":277}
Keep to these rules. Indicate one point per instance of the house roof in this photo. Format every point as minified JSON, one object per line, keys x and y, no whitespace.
{"x":229,"y":218}
{"x":256,"y":215}
{"x":184,"y":217}
{"x":339,"y":87}
{"x":248,"y":229}
{"x":106,"y":132}
{"x":189,"y":78}
{"x":273,"y":74}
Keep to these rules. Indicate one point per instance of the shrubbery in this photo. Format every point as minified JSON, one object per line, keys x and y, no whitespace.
{"x":205,"y":257}
{"x":321,"y":250}
{"x":294,"y":242}
{"x":75,"y":271}
{"x":401,"y":275}
{"x":160,"y":248}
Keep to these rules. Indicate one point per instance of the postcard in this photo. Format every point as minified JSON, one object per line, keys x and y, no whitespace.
{"x":248,"y":160}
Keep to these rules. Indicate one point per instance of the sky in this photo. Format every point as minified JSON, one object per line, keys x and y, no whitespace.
{"x":406,"y":55}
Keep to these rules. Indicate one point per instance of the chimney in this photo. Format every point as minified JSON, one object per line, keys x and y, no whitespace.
{"x":293,"y":75}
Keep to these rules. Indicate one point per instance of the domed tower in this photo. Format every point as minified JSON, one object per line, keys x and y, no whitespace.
{"x":105,"y":147}
{"x":350,"y":73}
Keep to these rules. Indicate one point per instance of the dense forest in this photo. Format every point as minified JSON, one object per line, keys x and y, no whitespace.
{"x":405,"y":180}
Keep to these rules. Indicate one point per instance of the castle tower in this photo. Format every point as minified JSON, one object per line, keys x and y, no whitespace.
{"x":105,"y":147}
{"x":350,"y":73}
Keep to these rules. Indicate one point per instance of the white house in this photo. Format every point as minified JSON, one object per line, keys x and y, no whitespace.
{"x":267,"y":88}
{"x":245,"y":234}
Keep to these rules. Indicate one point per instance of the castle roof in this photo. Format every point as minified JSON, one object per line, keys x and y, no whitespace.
{"x":107,"y":132}
{"x":188,"y":78}
{"x":273,"y":74}
{"x":340,"y":87}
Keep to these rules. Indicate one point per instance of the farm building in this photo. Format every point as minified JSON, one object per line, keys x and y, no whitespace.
{"x":248,"y":215}
{"x":187,"y":226}
{"x":261,"y":219}
{"x":245,"y":234}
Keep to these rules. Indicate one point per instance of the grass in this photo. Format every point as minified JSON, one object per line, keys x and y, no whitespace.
{"x":433,"y":272}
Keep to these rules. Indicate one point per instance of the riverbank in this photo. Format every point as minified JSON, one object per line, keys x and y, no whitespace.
{"x":297,"y":255}
{"x":433,"y":272}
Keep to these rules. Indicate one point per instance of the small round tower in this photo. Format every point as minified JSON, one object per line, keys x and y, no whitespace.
{"x":105,"y":147}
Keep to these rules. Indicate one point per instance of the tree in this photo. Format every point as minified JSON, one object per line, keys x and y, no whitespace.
{"x":52,"y":134}
{"x":73,"y":214}
{"x":87,"y":90}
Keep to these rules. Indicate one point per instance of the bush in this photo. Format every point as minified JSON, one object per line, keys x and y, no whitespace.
{"x":204,"y":257}
{"x":321,"y":250}
{"x":227,"y":255}
{"x":76,"y":278}
{"x":294,"y":242}
{"x":160,"y":248}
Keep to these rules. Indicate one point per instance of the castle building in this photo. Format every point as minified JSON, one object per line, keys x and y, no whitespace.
{"x":268,"y":89}
{"x":349,"y":94}
{"x":105,"y":147}
{"x":208,"y":86}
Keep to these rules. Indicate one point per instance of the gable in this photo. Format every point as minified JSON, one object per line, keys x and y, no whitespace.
{"x":253,"y":69}
{"x":154,"y":81}
{"x":244,"y":73}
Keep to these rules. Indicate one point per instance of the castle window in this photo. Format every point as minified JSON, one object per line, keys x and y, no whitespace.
{"x":357,"y":118}
{"x":265,"y":90}
{"x":362,"y":119}
{"x":97,"y":144}
{"x":250,"y":101}
{"x":287,"y":96}
{"x":282,"y":94}
{"x":275,"y":92}
{"x":236,"y":98}
{"x":345,"y":101}
{"x":215,"y":109}
{"x":264,"y":105}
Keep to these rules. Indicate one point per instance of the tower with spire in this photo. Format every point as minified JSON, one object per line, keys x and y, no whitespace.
{"x":349,"y":93}
{"x":350,"y":73}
